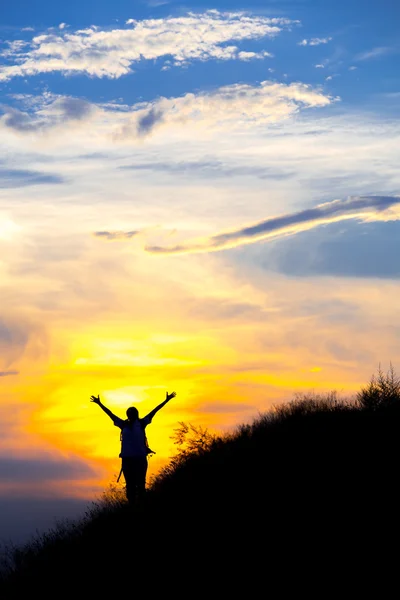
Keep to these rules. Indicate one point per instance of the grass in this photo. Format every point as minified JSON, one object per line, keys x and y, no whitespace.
{"x":309,"y":486}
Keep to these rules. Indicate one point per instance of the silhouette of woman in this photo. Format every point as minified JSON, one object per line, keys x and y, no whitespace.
{"x":134,"y":448}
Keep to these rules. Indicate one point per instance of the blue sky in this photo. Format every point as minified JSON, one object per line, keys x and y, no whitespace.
{"x":204,"y":197}
{"x":362,"y":36}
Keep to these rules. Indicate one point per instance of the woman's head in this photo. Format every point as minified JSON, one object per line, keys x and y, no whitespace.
{"x":132,"y":413}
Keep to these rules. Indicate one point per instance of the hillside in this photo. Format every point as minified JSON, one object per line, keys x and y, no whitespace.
{"x":311,"y":484}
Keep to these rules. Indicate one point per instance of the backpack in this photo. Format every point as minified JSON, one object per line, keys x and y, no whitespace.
{"x":149,"y":451}
{"x":146,"y":443}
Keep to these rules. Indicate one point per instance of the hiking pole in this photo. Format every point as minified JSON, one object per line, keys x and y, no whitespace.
{"x":120,"y":473}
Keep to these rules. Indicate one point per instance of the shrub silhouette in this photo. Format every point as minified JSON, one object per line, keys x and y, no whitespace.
{"x":383,"y":391}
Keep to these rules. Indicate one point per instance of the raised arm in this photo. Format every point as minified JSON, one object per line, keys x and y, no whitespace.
{"x":157,"y":408}
{"x":96,"y":400}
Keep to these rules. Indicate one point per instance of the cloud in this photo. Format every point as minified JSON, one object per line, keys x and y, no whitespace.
{"x":232,"y":105}
{"x":116,"y":235}
{"x":156,"y":3}
{"x":43,"y":468}
{"x":111,"y":53}
{"x":8,"y":373}
{"x":16,"y":338}
{"x":314,"y":41}
{"x":50,"y":114}
{"x":210,"y":167}
{"x":213,"y":309}
{"x":374,"y":53}
{"x":13,"y":48}
{"x":18,"y":120}
{"x":147,"y":121}
{"x":72,"y":108}
{"x":13,"y":340}
{"x":364,"y":208}
{"x":15,"y":178}
{"x":243,"y":55}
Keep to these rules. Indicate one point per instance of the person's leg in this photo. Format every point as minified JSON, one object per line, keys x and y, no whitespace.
{"x":142,"y":465}
{"x":129,"y":471}
{"x":135,"y":471}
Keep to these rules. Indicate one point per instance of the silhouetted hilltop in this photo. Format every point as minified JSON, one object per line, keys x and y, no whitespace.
{"x":309,"y":486}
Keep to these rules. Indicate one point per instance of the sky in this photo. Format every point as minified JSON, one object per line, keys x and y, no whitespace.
{"x":200,"y":198}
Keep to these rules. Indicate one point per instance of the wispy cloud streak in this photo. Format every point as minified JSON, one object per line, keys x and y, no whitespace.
{"x":375,"y":53}
{"x":366,"y":208}
{"x":116,"y":235}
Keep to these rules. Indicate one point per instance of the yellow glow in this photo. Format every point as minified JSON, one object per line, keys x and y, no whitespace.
{"x":229,"y":349}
